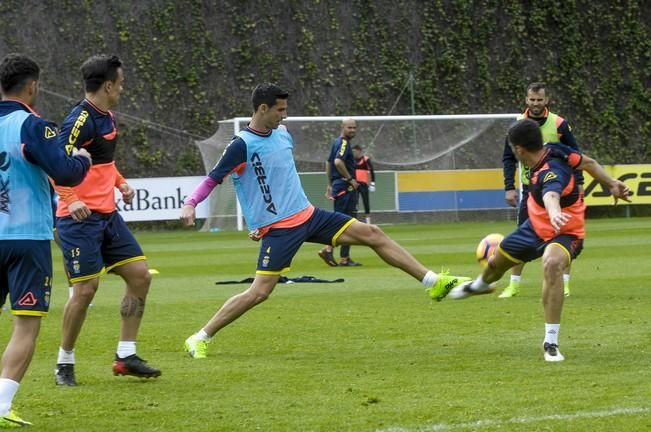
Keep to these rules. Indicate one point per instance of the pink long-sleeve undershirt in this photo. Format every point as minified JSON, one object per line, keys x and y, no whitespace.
{"x":201,"y":192}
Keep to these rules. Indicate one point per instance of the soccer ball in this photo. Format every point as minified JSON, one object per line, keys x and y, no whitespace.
{"x":487,"y":246}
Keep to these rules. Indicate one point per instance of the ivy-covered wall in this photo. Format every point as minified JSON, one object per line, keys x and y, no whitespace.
{"x":190,"y":63}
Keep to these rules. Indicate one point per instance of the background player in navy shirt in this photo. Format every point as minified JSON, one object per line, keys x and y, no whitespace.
{"x":342,"y":186}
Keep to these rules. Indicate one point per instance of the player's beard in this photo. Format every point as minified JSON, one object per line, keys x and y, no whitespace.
{"x":536,"y":112}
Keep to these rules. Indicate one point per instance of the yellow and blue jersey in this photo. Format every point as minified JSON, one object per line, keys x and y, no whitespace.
{"x":89,"y":127}
{"x":341,"y":149}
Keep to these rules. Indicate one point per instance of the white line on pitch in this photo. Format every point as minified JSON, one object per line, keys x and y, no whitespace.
{"x":518,"y":420}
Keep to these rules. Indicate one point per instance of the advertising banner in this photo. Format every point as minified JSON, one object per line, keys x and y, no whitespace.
{"x":636,"y":177}
{"x":159,"y":198}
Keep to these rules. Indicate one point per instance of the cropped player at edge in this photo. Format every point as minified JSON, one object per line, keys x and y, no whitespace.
{"x":555,"y":228}
{"x":29,"y":153}
{"x":261,"y":162}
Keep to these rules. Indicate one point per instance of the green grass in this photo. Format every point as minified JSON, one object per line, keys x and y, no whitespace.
{"x":369,"y":354}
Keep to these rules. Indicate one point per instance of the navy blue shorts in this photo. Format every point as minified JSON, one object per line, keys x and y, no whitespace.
{"x":26,"y":276}
{"x":347,"y":203}
{"x":278,"y":246}
{"x":345,"y":198}
{"x":96,"y":245}
{"x":524,"y":245}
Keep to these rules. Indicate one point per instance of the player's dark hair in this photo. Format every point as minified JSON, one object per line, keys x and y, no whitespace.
{"x":537,"y":86}
{"x":267,"y":93}
{"x":98,"y":69}
{"x":526,"y":134}
{"x":16,"y":70}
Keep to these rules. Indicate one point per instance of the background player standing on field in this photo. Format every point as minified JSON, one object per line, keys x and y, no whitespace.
{"x":29,"y":153}
{"x":365,"y":176}
{"x":94,"y":237}
{"x":555,"y":228}
{"x":554,"y":128}
{"x":342,"y":187}
{"x":261,"y":160}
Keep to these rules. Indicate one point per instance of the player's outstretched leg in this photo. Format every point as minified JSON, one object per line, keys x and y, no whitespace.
{"x":437,"y":285}
{"x":261,"y":288}
{"x":497,"y":265}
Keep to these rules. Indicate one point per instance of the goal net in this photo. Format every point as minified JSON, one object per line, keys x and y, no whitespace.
{"x":395,"y":144}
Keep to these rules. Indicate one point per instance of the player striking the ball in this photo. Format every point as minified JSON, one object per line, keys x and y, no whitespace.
{"x":555,"y":228}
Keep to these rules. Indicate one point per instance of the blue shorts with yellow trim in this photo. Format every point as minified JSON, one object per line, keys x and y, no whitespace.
{"x":96,"y":245}
{"x":279,"y":246}
{"x":524,"y":245}
{"x":26,"y":276}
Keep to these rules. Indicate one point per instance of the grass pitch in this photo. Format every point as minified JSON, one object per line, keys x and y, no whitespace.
{"x":370,"y":354}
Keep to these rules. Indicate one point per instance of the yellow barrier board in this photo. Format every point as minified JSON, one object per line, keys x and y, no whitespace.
{"x":636,"y":177}
{"x":450,"y":180}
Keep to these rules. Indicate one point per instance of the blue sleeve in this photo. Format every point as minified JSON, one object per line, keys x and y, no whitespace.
{"x":331,"y":155}
{"x":77,"y":129}
{"x":567,"y":138}
{"x":571,"y":156}
{"x":234,"y":155}
{"x":338,"y":151}
{"x":509,"y":163}
{"x":43,"y":148}
{"x":331,"y":162}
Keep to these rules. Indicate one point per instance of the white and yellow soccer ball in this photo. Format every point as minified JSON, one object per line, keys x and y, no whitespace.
{"x":487,"y":247}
